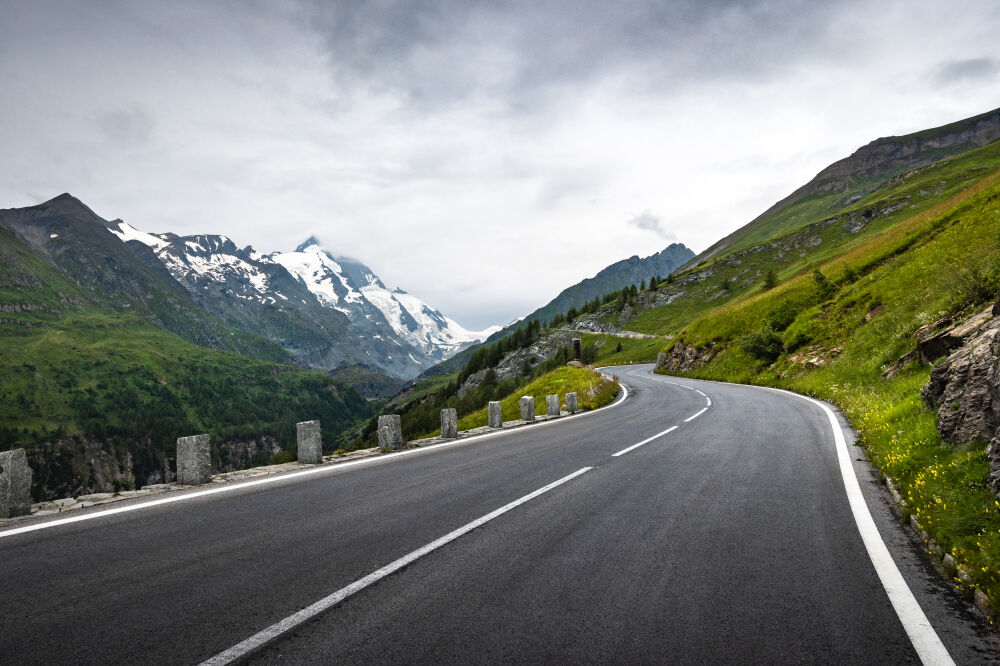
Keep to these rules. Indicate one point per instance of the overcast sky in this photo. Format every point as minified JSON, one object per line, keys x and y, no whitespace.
{"x":482,"y":156}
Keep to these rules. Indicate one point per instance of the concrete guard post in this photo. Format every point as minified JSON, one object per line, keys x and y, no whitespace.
{"x":571,"y":404}
{"x":496,"y":414}
{"x":527,"y":404}
{"x":449,"y":423}
{"x":310,"y":441}
{"x":15,"y":484}
{"x":552,"y":405}
{"x":194,"y":462}
{"x":390,"y":432}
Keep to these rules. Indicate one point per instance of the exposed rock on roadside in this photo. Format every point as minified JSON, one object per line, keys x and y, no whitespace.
{"x":965,"y":388}
{"x":937,"y":339}
{"x":686,"y":358}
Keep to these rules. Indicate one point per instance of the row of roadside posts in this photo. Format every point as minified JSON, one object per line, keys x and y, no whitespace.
{"x":390,"y":428}
{"x":194,"y":460}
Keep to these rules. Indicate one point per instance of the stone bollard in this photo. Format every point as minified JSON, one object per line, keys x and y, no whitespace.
{"x":496,"y":414}
{"x":385,"y":439}
{"x":661,"y":360}
{"x":571,"y":405}
{"x":578,"y":350}
{"x":310,"y":441}
{"x":552,"y":405}
{"x":449,"y":423}
{"x":15,"y":484}
{"x":390,"y":432}
{"x":194,"y":462}
{"x":527,"y":408}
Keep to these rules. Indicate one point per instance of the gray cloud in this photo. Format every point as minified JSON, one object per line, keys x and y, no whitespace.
{"x":526,"y":53}
{"x":649,"y":222}
{"x":961,"y":71}
{"x":127,"y":127}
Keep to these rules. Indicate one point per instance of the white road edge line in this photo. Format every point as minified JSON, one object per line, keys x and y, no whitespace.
{"x":275,"y":631}
{"x":645,"y":441}
{"x":924,"y":638}
{"x":694,"y":416}
{"x":293,"y":475}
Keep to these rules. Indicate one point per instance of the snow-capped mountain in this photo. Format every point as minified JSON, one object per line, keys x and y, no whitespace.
{"x":330,"y":311}
{"x":351,"y":287}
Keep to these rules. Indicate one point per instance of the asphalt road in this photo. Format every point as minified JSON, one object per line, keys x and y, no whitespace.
{"x":729,"y":539}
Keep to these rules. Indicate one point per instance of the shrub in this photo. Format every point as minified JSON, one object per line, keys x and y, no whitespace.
{"x":824,"y":288}
{"x":763,"y":344}
{"x":978,"y":281}
{"x":770,"y":280}
{"x":782,"y":316}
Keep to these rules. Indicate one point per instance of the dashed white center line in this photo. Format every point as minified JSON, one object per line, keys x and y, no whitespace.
{"x":645,"y":441}
{"x":275,"y":631}
{"x":694,"y":416}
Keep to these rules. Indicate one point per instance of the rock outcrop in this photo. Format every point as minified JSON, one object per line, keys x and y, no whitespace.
{"x":687,"y":358}
{"x":965,"y":389}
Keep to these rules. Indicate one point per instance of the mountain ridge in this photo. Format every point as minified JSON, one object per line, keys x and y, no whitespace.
{"x":849,"y":179}
{"x":331,"y":311}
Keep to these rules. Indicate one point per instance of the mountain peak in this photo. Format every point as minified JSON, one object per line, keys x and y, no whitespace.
{"x":69,"y":205}
{"x":308,"y":243}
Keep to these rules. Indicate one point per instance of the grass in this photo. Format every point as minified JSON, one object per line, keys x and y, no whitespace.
{"x":592,"y":390}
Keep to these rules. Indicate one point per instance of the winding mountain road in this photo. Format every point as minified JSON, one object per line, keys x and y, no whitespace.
{"x":692,"y":522}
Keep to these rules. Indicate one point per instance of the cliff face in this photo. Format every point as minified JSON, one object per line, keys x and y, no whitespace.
{"x":75,"y":466}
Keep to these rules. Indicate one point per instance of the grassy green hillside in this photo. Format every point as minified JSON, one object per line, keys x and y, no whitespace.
{"x":835,"y":337}
{"x":133,"y":388}
{"x":906,"y":200}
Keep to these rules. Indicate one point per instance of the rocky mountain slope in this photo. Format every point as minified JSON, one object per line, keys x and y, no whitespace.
{"x":68,"y":235}
{"x":328,"y":311}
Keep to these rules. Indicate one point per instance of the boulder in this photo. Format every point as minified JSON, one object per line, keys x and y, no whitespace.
{"x":933,"y":341}
{"x":965,"y":389}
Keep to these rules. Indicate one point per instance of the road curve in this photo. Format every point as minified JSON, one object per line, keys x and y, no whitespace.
{"x":725,"y":536}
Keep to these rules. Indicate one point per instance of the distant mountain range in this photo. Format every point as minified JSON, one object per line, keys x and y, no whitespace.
{"x":624,"y":273}
{"x":328,"y":311}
